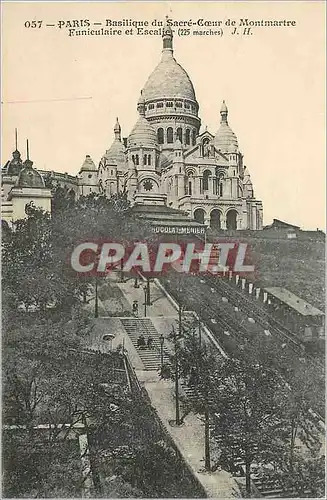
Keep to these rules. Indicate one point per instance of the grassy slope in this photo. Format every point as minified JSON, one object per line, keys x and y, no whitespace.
{"x":294,"y":264}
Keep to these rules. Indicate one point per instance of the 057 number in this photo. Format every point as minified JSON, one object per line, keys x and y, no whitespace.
{"x":33,"y":24}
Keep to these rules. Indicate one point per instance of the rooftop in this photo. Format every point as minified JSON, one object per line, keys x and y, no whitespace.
{"x":293,"y":301}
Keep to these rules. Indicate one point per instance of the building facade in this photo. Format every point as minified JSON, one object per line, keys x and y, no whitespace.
{"x":166,"y":160}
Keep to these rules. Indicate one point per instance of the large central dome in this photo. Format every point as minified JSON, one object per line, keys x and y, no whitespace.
{"x":168,"y":80}
{"x":170,"y":104}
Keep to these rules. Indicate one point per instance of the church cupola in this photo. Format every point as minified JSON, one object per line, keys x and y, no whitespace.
{"x":224,"y":113}
{"x":225,"y":140}
{"x":117,"y":130}
{"x":29,"y":189}
{"x":88,"y":177}
{"x":167,"y":39}
{"x":28,"y":176}
{"x":141,"y":105}
{"x":143,"y":134}
{"x":115,"y":155}
{"x":15,"y":165}
{"x":169,"y":97}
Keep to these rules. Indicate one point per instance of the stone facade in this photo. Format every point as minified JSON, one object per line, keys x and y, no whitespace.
{"x":165,"y":160}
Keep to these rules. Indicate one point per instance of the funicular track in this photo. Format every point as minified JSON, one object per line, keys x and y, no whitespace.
{"x":252,"y":308}
{"x":257,"y":310}
{"x":221,"y":321}
{"x":225,"y":322}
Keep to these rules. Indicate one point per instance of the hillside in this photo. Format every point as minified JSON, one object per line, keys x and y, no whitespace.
{"x":296,"y":264}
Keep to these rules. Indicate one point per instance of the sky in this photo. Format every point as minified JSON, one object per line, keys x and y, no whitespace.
{"x":64,"y":93}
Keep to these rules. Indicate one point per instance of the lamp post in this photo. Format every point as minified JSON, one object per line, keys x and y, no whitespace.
{"x":177,"y":417}
{"x":181,"y":309}
{"x":162,"y":339}
{"x":148,"y":295}
{"x":145,"y":299}
{"x":96,"y":301}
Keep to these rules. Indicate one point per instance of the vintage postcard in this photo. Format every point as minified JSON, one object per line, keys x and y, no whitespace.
{"x":163,"y":236}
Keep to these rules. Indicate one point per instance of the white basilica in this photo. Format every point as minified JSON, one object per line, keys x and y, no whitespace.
{"x":164,"y":161}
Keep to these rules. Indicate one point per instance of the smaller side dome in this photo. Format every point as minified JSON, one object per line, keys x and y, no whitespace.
{"x":15,"y":165}
{"x":88,"y":165}
{"x":29,"y":177}
{"x":143,"y":134}
{"x":225,"y":140}
{"x":116,"y":153}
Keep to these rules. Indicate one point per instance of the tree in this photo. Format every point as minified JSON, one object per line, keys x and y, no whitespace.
{"x":69,"y":389}
{"x":248,"y":414}
{"x":196,"y":363}
{"x":306,"y":476}
{"x":303,"y":478}
{"x":300,"y":425}
{"x":37,"y":274}
{"x":33,"y":467}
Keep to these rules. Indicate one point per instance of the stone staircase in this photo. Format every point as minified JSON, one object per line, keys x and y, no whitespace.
{"x":149,"y":357}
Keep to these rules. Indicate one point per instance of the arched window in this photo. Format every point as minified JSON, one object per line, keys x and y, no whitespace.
{"x":206,"y":175}
{"x":160,"y":134}
{"x":220,"y":189}
{"x":187,"y":137}
{"x":149,"y":159}
{"x":231,"y":219}
{"x":136,"y":159}
{"x":179,"y":134}
{"x":193,"y":137}
{"x":170,"y":135}
{"x":133,"y":159}
{"x":205,"y":147}
{"x":189,"y":185}
{"x":215,"y":185}
{"x":144,"y":160}
{"x":199,"y":215}
{"x":215,"y":217}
